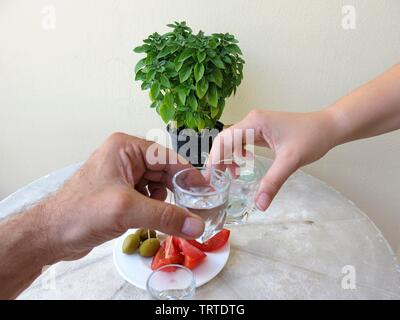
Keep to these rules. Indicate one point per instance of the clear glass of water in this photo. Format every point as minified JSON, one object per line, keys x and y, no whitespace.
{"x":245,"y":178}
{"x":204,"y":192}
{"x":179,"y":284}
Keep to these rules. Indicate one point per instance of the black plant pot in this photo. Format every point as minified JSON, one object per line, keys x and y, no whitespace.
{"x":192,"y":145}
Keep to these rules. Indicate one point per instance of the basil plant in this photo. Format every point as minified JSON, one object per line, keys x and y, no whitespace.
{"x":189,"y":75}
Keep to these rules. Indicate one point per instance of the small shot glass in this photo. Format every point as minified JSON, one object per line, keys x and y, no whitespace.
{"x":245,"y":178}
{"x":205,"y":193}
{"x":171,"y":282}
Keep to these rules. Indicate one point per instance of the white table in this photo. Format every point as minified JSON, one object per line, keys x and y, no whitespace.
{"x":298,"y":249}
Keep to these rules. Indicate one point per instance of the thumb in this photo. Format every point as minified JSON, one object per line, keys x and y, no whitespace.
{"x":165,"y":217}
{"x":277,"y":174}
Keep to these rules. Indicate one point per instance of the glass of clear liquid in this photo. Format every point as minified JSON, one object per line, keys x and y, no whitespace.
{"x":245,"y":177}
{"x":163,"y":284}
{"x":204,"y":192}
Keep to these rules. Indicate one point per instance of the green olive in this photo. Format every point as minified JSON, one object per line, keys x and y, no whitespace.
{"x":149,"y":247}
{"x":144,"y":234}
{"x":131,"y":243}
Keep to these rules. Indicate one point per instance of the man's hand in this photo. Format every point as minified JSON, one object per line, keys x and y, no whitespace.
{"x":119,"y":187}
{"x":116,"y":189}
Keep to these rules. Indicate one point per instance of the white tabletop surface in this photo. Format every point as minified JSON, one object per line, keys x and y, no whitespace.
{"x":298,"y":249}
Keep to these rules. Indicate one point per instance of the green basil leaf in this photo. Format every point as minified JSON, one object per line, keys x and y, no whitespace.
{"x":185,"y":54}
{"x":181,"y":95}
{"x":150,"y":75}
{"x":190,"y":120}
{"x":218,"y":62}
{"x":216,"y":77}
{"x":200,"y":123}
{"x":234,"y":49}
{"x":172,"y":74}
{"x":155,"y":104}
{"x":212,"y":44}
{"x":214,"y":112}
{"x":211,"y":53}
{"x":145,"y":85}
{"x":169,"y":99}
{"x":167,"y":50}
{"x":145,"y":69}
{"x":170,"y":66}
{"x":182,"y":108}
{"x":142,"y":48}
{"x":160,"y":46}
{"x":165,"y":82}
{"x":221,"y":104}
{"x":193,"y":102}
{"x":167,"y":110}
{"x":154,"y":90}
{"x":212,"y":96}
{"x":140,"y":76}
{"x":141,"y":63}
{"x":198,"y":71}
{"x":178,"y":66}
{"x":227,"y":60}
{"x":185,"y":72}
{"x":201,"y":87}
{"x":201,"y":55}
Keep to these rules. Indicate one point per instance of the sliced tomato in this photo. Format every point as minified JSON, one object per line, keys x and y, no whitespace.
{"x":192,"y":256}
{"x":214,"y":243}
{"x":171,"y":249}
{"x":167,"y":254}
{"x":157,"y":259}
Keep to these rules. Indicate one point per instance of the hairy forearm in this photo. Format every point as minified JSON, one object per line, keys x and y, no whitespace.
{"x":371,"y":110}
{"x":24,"y":250}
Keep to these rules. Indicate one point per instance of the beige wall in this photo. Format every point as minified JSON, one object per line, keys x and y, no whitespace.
{"x":63,"y":90}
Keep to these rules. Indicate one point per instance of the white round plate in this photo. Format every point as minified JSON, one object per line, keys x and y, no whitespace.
{"x":136,"y":269}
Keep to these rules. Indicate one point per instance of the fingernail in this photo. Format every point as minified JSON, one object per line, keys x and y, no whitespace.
{"x":263,"y":201}
{"x":192,"y":227}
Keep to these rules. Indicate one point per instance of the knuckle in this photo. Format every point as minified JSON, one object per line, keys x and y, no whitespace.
{"x":116,"y":137}
{"x":255,"y":113}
